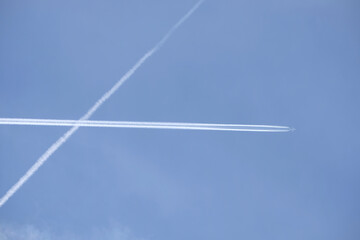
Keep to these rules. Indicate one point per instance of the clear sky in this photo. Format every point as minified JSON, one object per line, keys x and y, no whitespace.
{"x":293,"y":63}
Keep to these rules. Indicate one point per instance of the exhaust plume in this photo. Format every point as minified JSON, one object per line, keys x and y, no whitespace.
{"x":154,"y":125}
{"x":55,"y":146}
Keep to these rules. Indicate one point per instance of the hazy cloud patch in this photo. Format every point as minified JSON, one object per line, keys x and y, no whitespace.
{"x":30,"y":232}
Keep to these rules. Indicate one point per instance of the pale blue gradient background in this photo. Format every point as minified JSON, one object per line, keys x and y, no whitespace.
{"x":279,"y":62}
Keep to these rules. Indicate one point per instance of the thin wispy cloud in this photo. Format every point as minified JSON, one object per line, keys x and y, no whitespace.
{"x":55,"y":146}
{"x":113,"y":231}
{"x":154,"y":125}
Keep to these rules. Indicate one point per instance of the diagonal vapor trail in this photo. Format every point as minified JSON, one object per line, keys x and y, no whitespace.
{"x":156,"y":125}
{"x":91,"y":111}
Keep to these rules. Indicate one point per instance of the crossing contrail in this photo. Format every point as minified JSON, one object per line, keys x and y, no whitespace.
{"x":156,"y":125}
{"x":97,"y":104}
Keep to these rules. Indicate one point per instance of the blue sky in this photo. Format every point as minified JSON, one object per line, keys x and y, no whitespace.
{"x":292,"y":63}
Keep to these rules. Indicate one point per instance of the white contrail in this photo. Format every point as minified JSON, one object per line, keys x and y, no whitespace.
{"x":91,"y":111}
{"x":157,"y":125}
